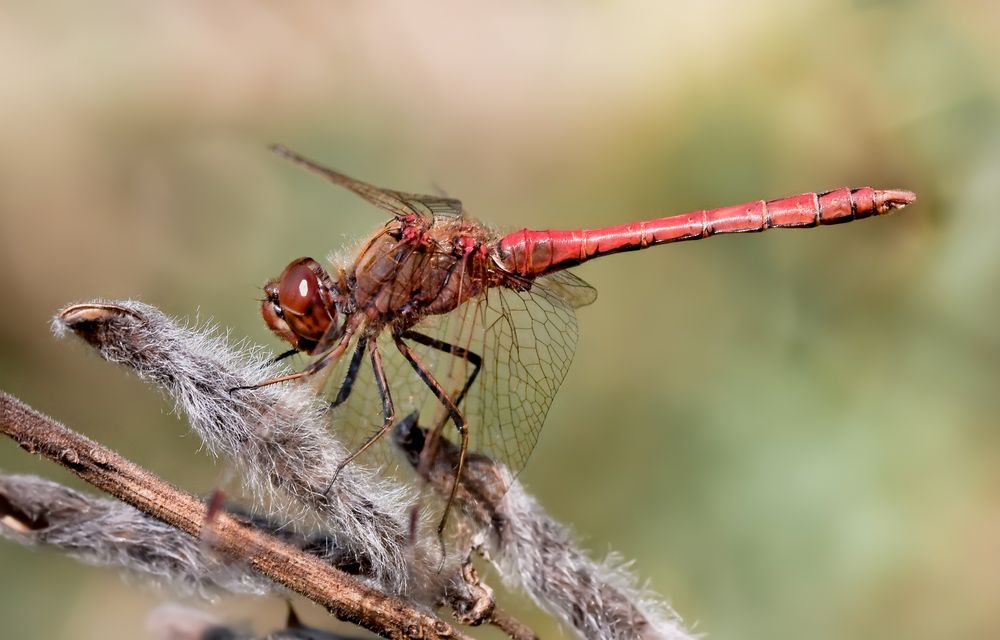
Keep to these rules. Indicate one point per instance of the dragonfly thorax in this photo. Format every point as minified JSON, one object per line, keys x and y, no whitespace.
{"x":405,"y":274}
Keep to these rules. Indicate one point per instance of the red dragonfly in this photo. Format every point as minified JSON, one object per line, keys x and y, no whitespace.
{"x":478,"y":325}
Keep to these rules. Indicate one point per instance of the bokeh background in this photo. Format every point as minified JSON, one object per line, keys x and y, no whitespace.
{"x":792,"y":435}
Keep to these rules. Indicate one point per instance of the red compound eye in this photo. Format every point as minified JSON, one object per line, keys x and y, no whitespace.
{"x":298,"y":290}
{"x":302,"y":302}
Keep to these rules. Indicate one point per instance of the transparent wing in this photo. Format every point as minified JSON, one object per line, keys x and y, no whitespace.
{"x":522,"y":343}
{"x":435,"y":207}
{"x":529,"y":338}
{"x":398,"y":203}
{"x":572,"y":289}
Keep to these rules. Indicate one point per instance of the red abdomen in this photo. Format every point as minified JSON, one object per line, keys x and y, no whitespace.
{"x":535,"y":253}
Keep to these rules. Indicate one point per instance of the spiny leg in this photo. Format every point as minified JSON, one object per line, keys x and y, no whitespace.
{"x":388,"y":411}
{"x":460,"y":422}
{"x":352,"y":374}
{"x":314,"y":367}
{"x":434,"y":434}
{"x":458,"y":352}
{"x":286,"y":354}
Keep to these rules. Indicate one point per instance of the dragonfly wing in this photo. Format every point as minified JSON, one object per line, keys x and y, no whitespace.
{"x":571,"y":288}
{"x":530,"y":338}
{"x":434,"y":207}
{"x":522,"y":341}
{"x":525,"y":342}
{"x":398,"y":203}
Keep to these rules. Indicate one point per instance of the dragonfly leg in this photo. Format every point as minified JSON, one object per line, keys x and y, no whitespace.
{"x":460,"y":422}
{"x":388,"y":411}
{"x":314,"y":367}
{"x":458,"y":352}
{"x":287,"y":354}
{"x":352,"y":374}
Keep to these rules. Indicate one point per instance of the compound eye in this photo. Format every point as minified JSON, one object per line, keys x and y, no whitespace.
{"x":302,"y":302}
{"x":298,"y":291}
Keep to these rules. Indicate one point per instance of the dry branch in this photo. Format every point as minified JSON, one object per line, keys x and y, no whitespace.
{"x":343,"y":596}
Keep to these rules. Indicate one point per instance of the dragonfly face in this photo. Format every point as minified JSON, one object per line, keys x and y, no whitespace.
{"x":300,"y":306}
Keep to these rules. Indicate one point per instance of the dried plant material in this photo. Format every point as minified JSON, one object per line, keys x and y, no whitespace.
{"x":101,"y":531}
{"x":340,"y":594}
{"x":39,"y":512}
{"x":539,"y":555}
{"x":281,"y":440}
{"x":279,"y":436}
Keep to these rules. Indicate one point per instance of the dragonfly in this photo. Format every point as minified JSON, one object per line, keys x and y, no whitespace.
{"x":479,"y":325}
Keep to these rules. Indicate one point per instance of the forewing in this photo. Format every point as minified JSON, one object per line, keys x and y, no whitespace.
{"x":398,"y":203}
{"x":434,"y":207}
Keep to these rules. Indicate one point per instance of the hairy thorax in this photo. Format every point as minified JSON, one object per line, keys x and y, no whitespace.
{"x":410,"y":270}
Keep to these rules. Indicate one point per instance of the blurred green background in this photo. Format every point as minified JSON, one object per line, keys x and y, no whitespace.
{"x":793,"y":435}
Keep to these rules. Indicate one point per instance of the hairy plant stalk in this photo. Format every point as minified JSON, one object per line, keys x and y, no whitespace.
{"x":539,"y":555}
{"x":99,"y":531}
{"x":305,"y":574}
{"x":39,"y":512}
{"x":279,"y":436}
{"x":281,"y":440}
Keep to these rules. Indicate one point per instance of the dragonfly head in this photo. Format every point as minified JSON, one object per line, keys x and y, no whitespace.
{"x":300,"y":306}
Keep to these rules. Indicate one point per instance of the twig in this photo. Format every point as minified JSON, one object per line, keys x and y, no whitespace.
{"x":341,"y":595}
{"x":510,"y":625}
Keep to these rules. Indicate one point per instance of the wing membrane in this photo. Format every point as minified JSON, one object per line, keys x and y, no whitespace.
{"x":398,"y":203}
{"x":572,"y":289}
